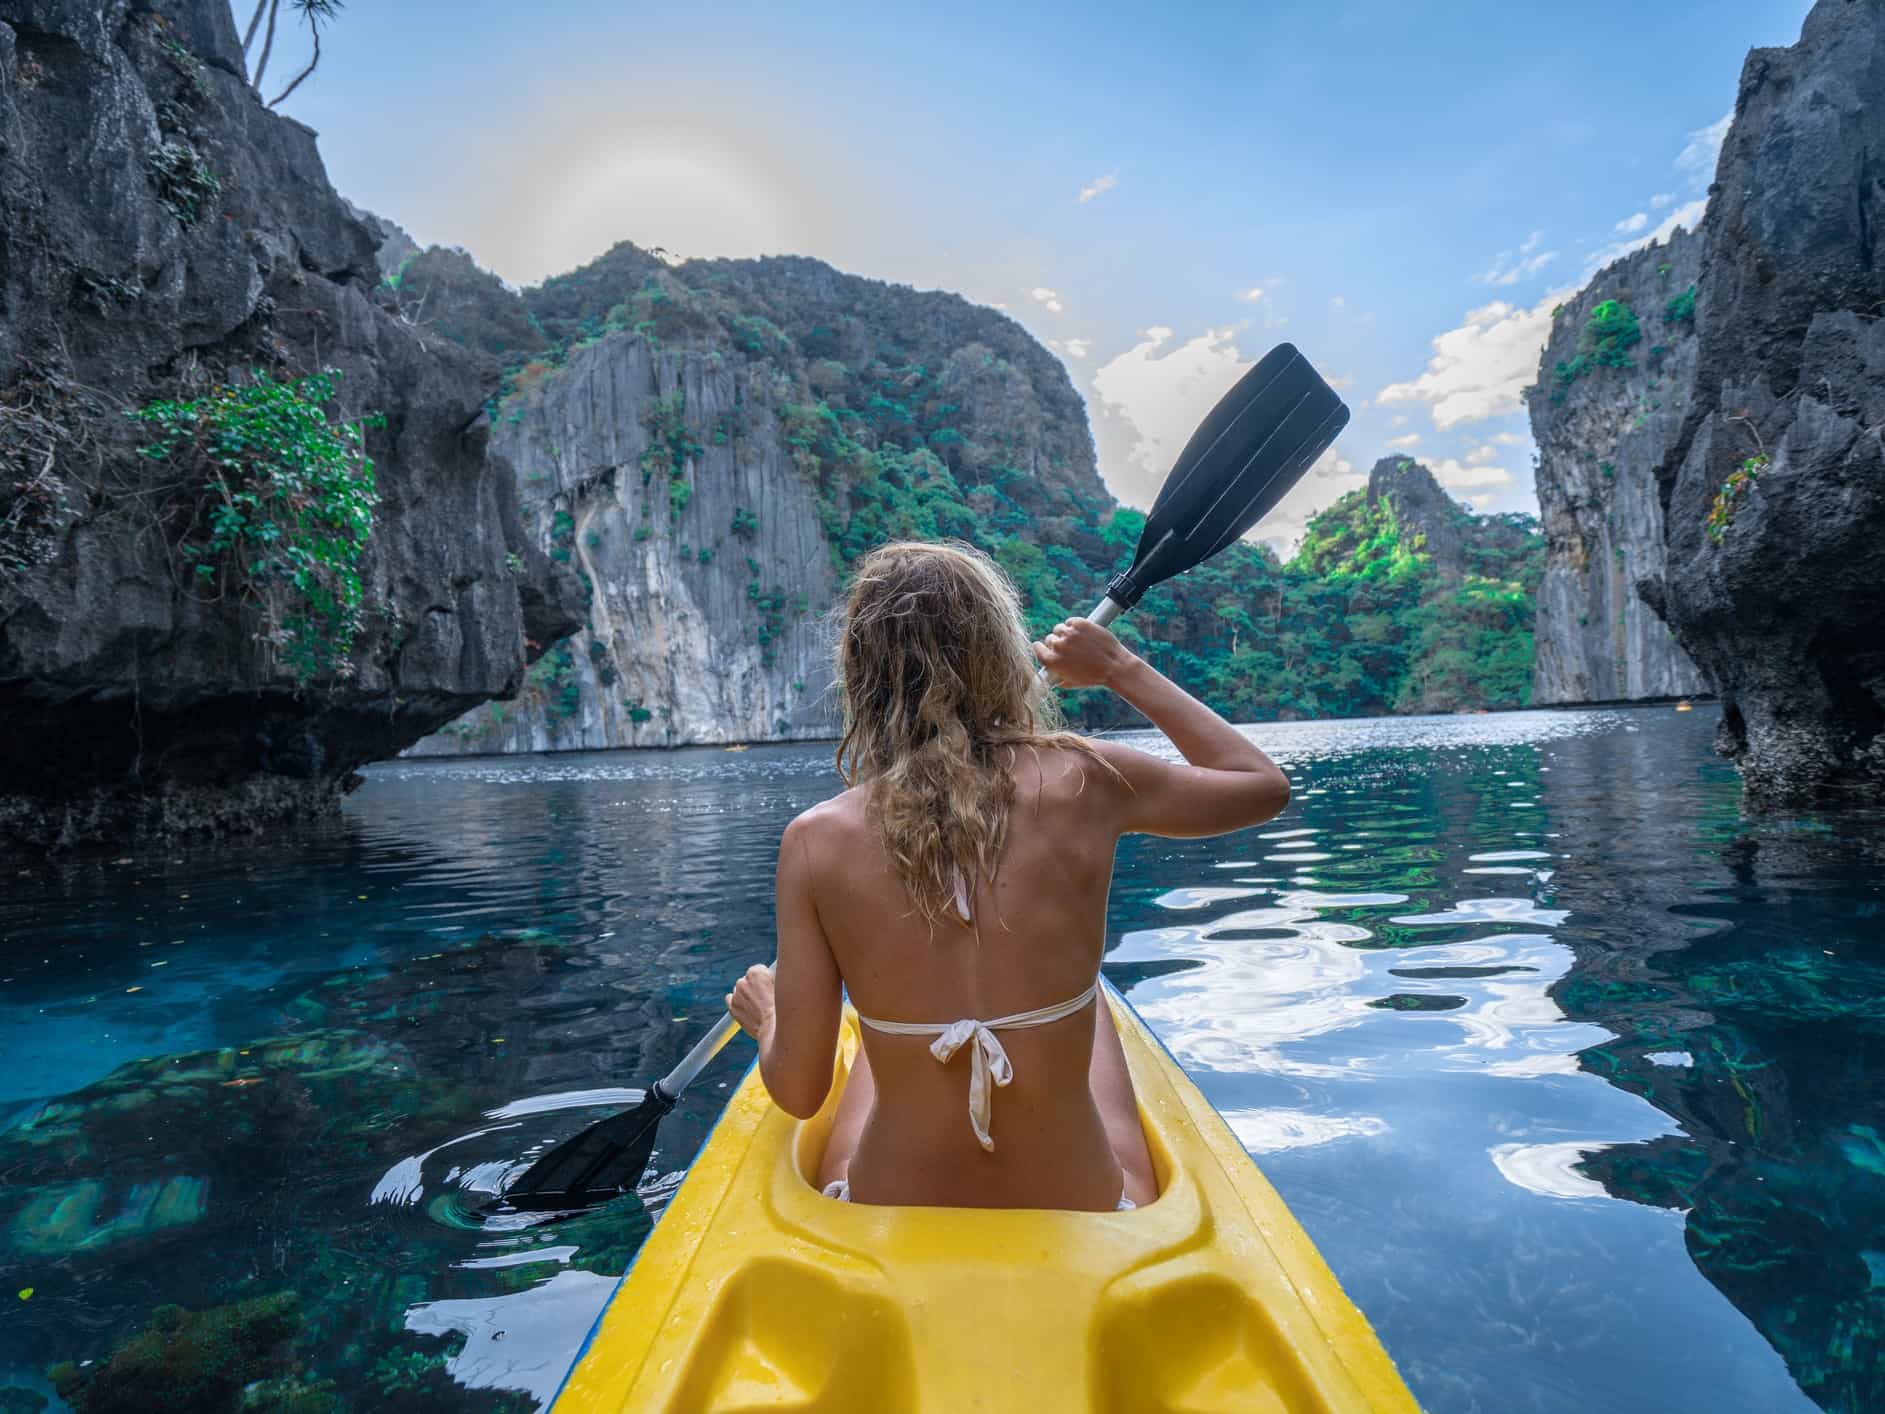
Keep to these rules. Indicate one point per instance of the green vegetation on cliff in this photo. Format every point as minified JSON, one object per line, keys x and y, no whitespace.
{"x":918,"y":415}
{"x":289,"y":496}
{"x":1609,"y":334}
{"x":1366,"y":619}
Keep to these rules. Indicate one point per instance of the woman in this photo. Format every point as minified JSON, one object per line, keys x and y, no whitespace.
{"x":962,"y":878}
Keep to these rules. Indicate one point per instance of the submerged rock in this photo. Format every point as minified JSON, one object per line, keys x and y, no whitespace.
{"x":1774,"y":493}
{"x":188,"y":1362}
{"x":78,"y":1217}
{"x":163,"y":235}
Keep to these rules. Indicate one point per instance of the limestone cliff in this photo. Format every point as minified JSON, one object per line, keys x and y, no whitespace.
{"x":163,"y":236}
{"x":663,"y":475}
{"x":709,"y":444}
{"x":1773,"y":495}
{"x":1614,"y":384}
{"x":1408,"y":602}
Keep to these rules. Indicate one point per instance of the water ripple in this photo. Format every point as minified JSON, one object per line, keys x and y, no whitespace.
{"x":1575,"y":1146}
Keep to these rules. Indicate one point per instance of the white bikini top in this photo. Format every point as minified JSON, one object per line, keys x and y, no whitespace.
{"x":987,"y":1060}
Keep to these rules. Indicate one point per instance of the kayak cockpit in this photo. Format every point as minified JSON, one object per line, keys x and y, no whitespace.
{"x":757,"y":1292}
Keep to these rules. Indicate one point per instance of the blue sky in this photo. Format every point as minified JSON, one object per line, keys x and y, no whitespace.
{"x":1364,"y":179}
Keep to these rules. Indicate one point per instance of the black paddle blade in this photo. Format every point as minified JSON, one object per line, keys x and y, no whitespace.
{"x":595,"y":1164}
{"x":1244,"y":458}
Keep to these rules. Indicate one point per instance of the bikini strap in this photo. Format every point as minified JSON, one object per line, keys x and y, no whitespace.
{"x":988,"y":1060}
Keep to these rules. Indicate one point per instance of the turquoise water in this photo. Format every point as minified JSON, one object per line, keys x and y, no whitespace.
{"x":1575,"y":1073}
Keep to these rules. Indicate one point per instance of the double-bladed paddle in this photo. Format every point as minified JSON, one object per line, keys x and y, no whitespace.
{"x":1244,"y":458}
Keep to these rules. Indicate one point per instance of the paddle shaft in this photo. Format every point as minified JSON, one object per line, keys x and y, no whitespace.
{"x":707,"y":1047}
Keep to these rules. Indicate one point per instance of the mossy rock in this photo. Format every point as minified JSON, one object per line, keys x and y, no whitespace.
{"x":70,"y":1217}
{"x":290,"y":1396}
{"x":193,"y":1362}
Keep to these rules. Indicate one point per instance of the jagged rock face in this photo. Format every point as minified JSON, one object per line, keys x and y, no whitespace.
{"x":699,"y":457}
{"x":1404,"y":493}
{"x":162,"y":233}
{"x":1774,"y":496}
{"x":1601,"y":433}
{"x":1424,"y":506}
{"x":703,"y":624}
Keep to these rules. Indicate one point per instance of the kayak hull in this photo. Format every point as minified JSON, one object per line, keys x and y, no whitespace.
{"x":756,"y":1292}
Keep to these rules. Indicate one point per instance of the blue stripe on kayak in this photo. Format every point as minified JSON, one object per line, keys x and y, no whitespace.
{"x":603,"y":1314}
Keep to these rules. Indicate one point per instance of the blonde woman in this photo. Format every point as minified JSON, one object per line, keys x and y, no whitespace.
{"x":957,"y":890}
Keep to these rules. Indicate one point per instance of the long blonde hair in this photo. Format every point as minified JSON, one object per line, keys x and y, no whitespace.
{"x":939,"y":687}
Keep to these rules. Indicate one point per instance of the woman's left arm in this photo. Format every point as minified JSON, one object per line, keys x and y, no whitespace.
{"x":792,"y":1009}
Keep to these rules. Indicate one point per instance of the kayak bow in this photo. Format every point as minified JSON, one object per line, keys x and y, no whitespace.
{"x":756,"y":1292}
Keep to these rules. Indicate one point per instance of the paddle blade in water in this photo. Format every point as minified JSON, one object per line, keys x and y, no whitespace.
{"x":1244,"y":458}
{"x":594,"y":1164}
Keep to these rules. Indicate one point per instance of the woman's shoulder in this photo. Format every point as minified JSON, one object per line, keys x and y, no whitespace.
{"x":1076,"y":769}
{"x":1084,"y":755}
{"x":837,"y":820}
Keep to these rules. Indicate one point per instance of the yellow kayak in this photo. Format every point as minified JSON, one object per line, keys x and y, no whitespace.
{"x":756,"y":1292}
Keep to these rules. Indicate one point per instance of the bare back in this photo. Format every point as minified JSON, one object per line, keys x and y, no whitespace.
{"x":1065,"y":1130}
{"x":1038,"y":931}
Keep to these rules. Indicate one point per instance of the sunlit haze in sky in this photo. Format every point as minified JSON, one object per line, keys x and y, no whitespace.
{"x":1159,"y":193}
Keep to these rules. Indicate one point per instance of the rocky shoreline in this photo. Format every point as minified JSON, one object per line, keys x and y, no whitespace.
{"x":1754,"y":440}
{"x":616,"y":507}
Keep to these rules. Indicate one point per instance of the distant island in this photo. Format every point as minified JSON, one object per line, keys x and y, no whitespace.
{"x":712,"y":444}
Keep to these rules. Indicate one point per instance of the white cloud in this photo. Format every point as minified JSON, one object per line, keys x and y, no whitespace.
{"x":1162,"y":393}
{"x":1338,"y":381}
{"x":1478,"y":370}
{"x":1251,"y":295}
{"x":1412,"y":439}
{"x":1510,"y":439}
{"x":1073,"y":348}
{"x":1482,"y":502}
{"x":1099,"y":186}
{"x":1398,"y":420}
{"x":1046,"y":298}
{"x":1689,"y":214}
{"x":1696,"y":165}
{"x":1332,"y":477}
{"x":1481,"y":454}
{"x":1336,"y":302}
{"x":1150,"y":400}
{"x":1698,"y":158}
{"x":1456,"y":475}
{"x":1512,"y":266}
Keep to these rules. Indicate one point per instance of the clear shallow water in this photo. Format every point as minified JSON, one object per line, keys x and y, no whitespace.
{"x":1573,"y":1072}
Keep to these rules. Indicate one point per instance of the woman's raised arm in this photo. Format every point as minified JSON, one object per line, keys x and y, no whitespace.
{"x":1227,"y":783}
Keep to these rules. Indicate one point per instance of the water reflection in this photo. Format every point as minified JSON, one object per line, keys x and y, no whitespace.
{"x":1748,"y":1004}
{"x":1572,"y":1073}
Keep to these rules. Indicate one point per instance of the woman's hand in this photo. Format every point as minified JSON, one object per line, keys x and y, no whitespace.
{"x":751,"y":1003}
{"x":1079,"y":653}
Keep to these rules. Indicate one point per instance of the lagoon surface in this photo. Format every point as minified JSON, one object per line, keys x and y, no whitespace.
{"x":1575,"y":1072}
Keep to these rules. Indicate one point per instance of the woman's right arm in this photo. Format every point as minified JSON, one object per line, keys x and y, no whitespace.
{"x":1227,"y":783}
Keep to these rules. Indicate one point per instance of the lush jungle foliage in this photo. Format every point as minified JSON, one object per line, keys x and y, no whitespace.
{"x":289,"y":494}
{"x":917,"y":415}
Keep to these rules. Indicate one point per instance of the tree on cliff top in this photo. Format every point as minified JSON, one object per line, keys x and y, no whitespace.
{"x":314,"y":14}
